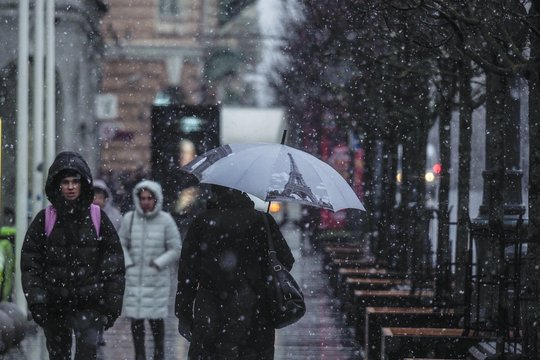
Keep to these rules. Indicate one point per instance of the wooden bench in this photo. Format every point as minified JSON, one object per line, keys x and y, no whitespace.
{"x":398,"y":343}
{"x":342,"y":252}
{"x":391,"y":298}
{"x":347,"y":289}
{"x":379,"y":317}
{"x":332,"y":268}
{"x":336,"y":251}
{"x":338,"y":281}
{"x":370,"y":283}
{"x":357,"y":262}
{"x":368,"y":272}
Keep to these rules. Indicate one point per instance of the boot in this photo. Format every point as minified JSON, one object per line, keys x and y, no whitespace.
{"x":158,"y":330}
{"x":137,"y":330}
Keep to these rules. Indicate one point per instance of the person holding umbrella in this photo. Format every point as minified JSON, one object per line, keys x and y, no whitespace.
{"x":220,"y":280}
{"x":151,"y":243}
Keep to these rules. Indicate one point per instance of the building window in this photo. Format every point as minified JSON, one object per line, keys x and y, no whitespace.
{"x":169,"y":8}
{"x":228,"y":9}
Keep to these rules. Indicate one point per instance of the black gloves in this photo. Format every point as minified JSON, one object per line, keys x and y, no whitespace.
{"x":83,"y":318}
{"x":107,"y":321}
{"x":184,"y":328}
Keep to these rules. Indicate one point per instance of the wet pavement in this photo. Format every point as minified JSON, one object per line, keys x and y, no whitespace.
{"x":320,"y":334}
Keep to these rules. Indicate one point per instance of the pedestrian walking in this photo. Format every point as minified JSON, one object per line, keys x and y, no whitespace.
{"x":151,"y":242}
{"x":220,"y":278}
{"x":104,"y":199}
{"x":72,"y":263}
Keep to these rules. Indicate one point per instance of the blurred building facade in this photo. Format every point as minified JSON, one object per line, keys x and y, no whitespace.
{"x":159,"y":52}
{"x":78,"y":57}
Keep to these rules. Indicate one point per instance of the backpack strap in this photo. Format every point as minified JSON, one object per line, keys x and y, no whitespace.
{"x":50,"y":218}
{"x":95,"y":214}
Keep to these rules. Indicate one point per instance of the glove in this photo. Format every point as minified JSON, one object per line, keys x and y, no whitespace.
{"x":184,"y":329}
{"x":39,"y":313}
{"x":106,"y":322}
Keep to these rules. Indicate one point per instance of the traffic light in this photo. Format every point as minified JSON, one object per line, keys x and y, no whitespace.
{"x":437,"y":168}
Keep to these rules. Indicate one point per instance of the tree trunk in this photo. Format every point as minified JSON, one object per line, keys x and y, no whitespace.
{"x":387,"y":247}
{"x":377,"y":197}
{"x":421,"y":254}
{"x":407,"y":220}
{"x":531,"y":313}
{"x":464,"y":177}
{"x":490,"y":238}
{"x":371,"y":183}
{"x":443,"y":256}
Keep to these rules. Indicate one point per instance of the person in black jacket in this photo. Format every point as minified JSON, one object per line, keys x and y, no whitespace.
{"x":220,"y":280}
{"x":74,"y":278}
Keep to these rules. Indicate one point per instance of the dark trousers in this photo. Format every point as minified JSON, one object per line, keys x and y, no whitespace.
{"x":59,"y":331}
{"x":158,"y":331}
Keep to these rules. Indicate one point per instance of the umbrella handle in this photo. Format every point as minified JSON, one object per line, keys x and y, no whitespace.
{"x":282,"y":143}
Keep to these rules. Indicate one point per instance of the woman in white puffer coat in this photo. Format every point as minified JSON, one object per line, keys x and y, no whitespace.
{"x":151,"y":243}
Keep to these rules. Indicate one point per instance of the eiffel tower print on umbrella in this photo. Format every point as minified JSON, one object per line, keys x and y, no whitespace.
{"x":275,"y":172}
{"x":296,"y":189}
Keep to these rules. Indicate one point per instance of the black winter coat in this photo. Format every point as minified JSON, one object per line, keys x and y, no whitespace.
{"x":220,"y":282}
{"x":73,"y":269}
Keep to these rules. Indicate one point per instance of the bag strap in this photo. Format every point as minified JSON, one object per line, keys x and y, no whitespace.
{"x":130,"y":230}
{"x":269,"y":234}
{"x":50,"y":218}
{"x":95,"y":215}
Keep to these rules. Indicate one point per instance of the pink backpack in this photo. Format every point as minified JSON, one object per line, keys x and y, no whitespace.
{"x":50,"y":218}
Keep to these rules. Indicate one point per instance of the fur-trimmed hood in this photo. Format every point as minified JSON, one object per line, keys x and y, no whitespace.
{"x":155,"y":189}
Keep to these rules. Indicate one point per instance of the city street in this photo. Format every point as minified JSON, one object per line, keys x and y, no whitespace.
{"x":320,"y":334}
{"x":402,"y":133}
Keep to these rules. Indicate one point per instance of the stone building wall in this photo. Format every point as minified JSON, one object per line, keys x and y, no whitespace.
{"x":147,"y":53}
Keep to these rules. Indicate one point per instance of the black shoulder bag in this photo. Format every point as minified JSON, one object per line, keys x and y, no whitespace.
{"x":285,"y":297}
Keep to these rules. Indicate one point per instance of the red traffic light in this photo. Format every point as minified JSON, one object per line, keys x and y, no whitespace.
{"x":437,"y":168}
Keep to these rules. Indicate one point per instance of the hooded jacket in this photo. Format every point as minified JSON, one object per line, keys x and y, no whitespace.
{"x":74,"y":269}
{"x":112,"y":212}
{"x":151,"y":243}
{"x":220,"y":277}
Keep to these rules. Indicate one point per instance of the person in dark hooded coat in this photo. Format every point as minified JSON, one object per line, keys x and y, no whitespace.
{"x":74,"y":278}
{"x":220,"y":280}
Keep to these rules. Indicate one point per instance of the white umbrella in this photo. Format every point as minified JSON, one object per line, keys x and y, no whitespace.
{"x":275,"y":172}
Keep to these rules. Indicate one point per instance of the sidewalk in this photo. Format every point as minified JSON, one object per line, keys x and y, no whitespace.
{"x":320,"y":334}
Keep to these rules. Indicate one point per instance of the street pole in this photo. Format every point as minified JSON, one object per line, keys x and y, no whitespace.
{"x":21,"y":216}
{"x":1,"y":187}
{"x":37,"y":158}
{"x":50,"y":122}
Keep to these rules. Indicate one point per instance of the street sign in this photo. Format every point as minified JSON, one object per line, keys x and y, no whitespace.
{"x":106,"y":106}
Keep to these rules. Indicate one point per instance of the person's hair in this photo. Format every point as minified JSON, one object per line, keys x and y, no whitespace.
{"x":145,"y":189}
{"x":67,"y":173}
{"x":98,"y":190}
